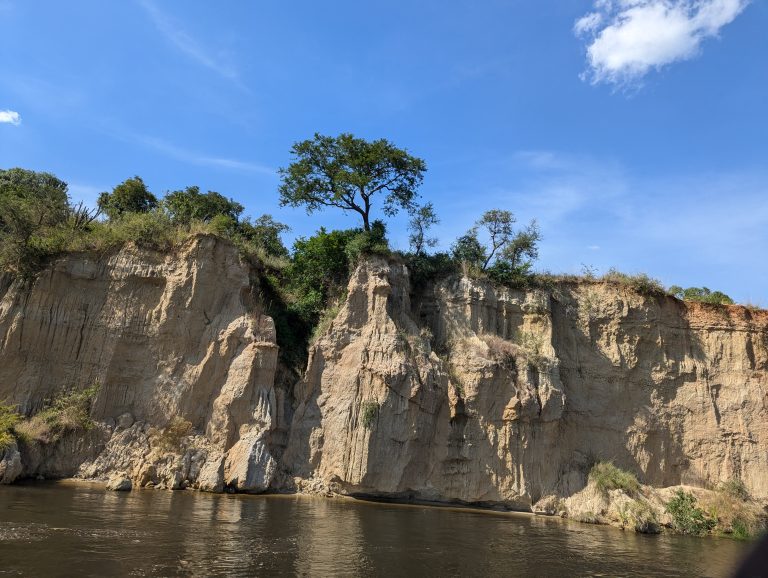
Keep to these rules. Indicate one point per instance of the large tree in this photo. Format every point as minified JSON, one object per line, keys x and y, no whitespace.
{"x":350,"y":174}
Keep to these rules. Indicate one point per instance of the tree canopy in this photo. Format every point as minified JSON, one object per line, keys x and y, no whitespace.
{"x":190,"y":204}
{"x":422,"y":219}
{"x":350,"y":174}
{"x":701,"y":294}
{"x":130,"y":196}
{"x":507,"y":255}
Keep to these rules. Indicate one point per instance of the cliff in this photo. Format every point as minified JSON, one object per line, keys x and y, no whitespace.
{"x":462,"y":392}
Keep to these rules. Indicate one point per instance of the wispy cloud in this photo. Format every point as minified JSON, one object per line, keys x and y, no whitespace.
{"x":628,"y":38}
{"x":185,"y":43}
{"x":10,"y":117}
{"x":196,"y":158}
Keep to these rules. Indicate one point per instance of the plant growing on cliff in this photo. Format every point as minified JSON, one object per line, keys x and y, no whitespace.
{"x":9,"y":419}
{"x":640,"y":282}
{"x":422,"y":219}
{"x":607,"y":476}
{"x":507,"y":255}
{"x":70,"y":411}
{"x":171,"y":438}
{"x":687,"y":517}
{"x":350,"y":174}
{"x":369,"y":411}
{"x":701,"y":295}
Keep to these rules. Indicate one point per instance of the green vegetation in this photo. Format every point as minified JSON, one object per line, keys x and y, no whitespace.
{"x":640,"y":282}
{"x":130,"y":196}
{"x":369,"y":411}
{"x":350,"y":174}
{"x":422,"y":220}
{"x":297,"y":286}
{"x":700,"y":294}
{"x":687,"y":517}
{"x":70,"y":411}
{"x":9,"y":419}
{"x":507,"y":257}
{"x":608,"y":477}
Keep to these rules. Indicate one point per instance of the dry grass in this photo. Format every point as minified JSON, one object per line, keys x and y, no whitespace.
{"x":171,"y":438}
{"x":70,"y":411}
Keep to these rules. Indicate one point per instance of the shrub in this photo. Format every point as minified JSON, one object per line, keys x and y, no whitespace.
{"x":700,"y":294}
{"x":687,"y":517}
{"x":9,"y":419}
{"x":70,"y":411}
{"x":735,"y":489}
{"x":501,"y":350}
{"x":607,"y":477}
{"x":640,"y":282}
{"x":373,"y":242}
{"x":153,"y":230}
{"x":369,"y":411}
{"x":424,"y":269}
{"x":171,"y":437}
{"x":643,"y":518}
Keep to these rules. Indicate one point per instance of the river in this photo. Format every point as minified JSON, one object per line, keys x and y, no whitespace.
{"x":69,"y":529}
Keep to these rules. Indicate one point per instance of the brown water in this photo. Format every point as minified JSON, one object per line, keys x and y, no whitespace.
{"x":81,"y":530}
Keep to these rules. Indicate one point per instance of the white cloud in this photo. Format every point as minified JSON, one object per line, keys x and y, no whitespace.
{"x":186,"y":43}
{"x":628,"y":38}
{"x":10,"y":117}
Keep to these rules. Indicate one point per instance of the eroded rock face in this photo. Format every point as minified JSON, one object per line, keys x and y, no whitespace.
{"x":463,"y":392}
{"x":482,"y":395}
{"x":166,"y":336}
{"x":10,"y":464}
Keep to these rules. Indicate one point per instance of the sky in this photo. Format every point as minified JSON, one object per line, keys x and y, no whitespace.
{"x":634,"y":131}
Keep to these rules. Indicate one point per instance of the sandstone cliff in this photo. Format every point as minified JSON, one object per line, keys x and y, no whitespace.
{"x":462,"y":392}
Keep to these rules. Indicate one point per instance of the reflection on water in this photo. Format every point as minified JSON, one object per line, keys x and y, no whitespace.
{"x":66,"y":529}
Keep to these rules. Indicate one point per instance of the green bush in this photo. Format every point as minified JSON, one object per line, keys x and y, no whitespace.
{"x":70,"y":411}
{"x":700,"y":294}
{"x":687,"y":517}
{"x":373,"y":242}
{"x":9,"y":419}
{"x":607,"y":477}
{"x":424,"y":269}
{"x":152,"y":230}
{"x":369,"y":411}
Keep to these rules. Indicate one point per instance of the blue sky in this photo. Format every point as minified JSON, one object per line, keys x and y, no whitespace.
{"x":635,"y":131}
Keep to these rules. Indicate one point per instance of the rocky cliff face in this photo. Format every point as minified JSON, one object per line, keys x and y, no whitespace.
{"x":499,"y":396}
{"x":165,"y":337}
{"x":463,"y":392}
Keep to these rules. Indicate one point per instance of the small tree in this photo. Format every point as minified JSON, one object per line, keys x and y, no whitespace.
{"x":701,"y":294}
{"x":468,"y":249}
{"x":350,"y":173}
{"x":508,"y":256}
{"x":265,"y":232}
{"x":422,"y":219}
{"x":130,"y":196}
